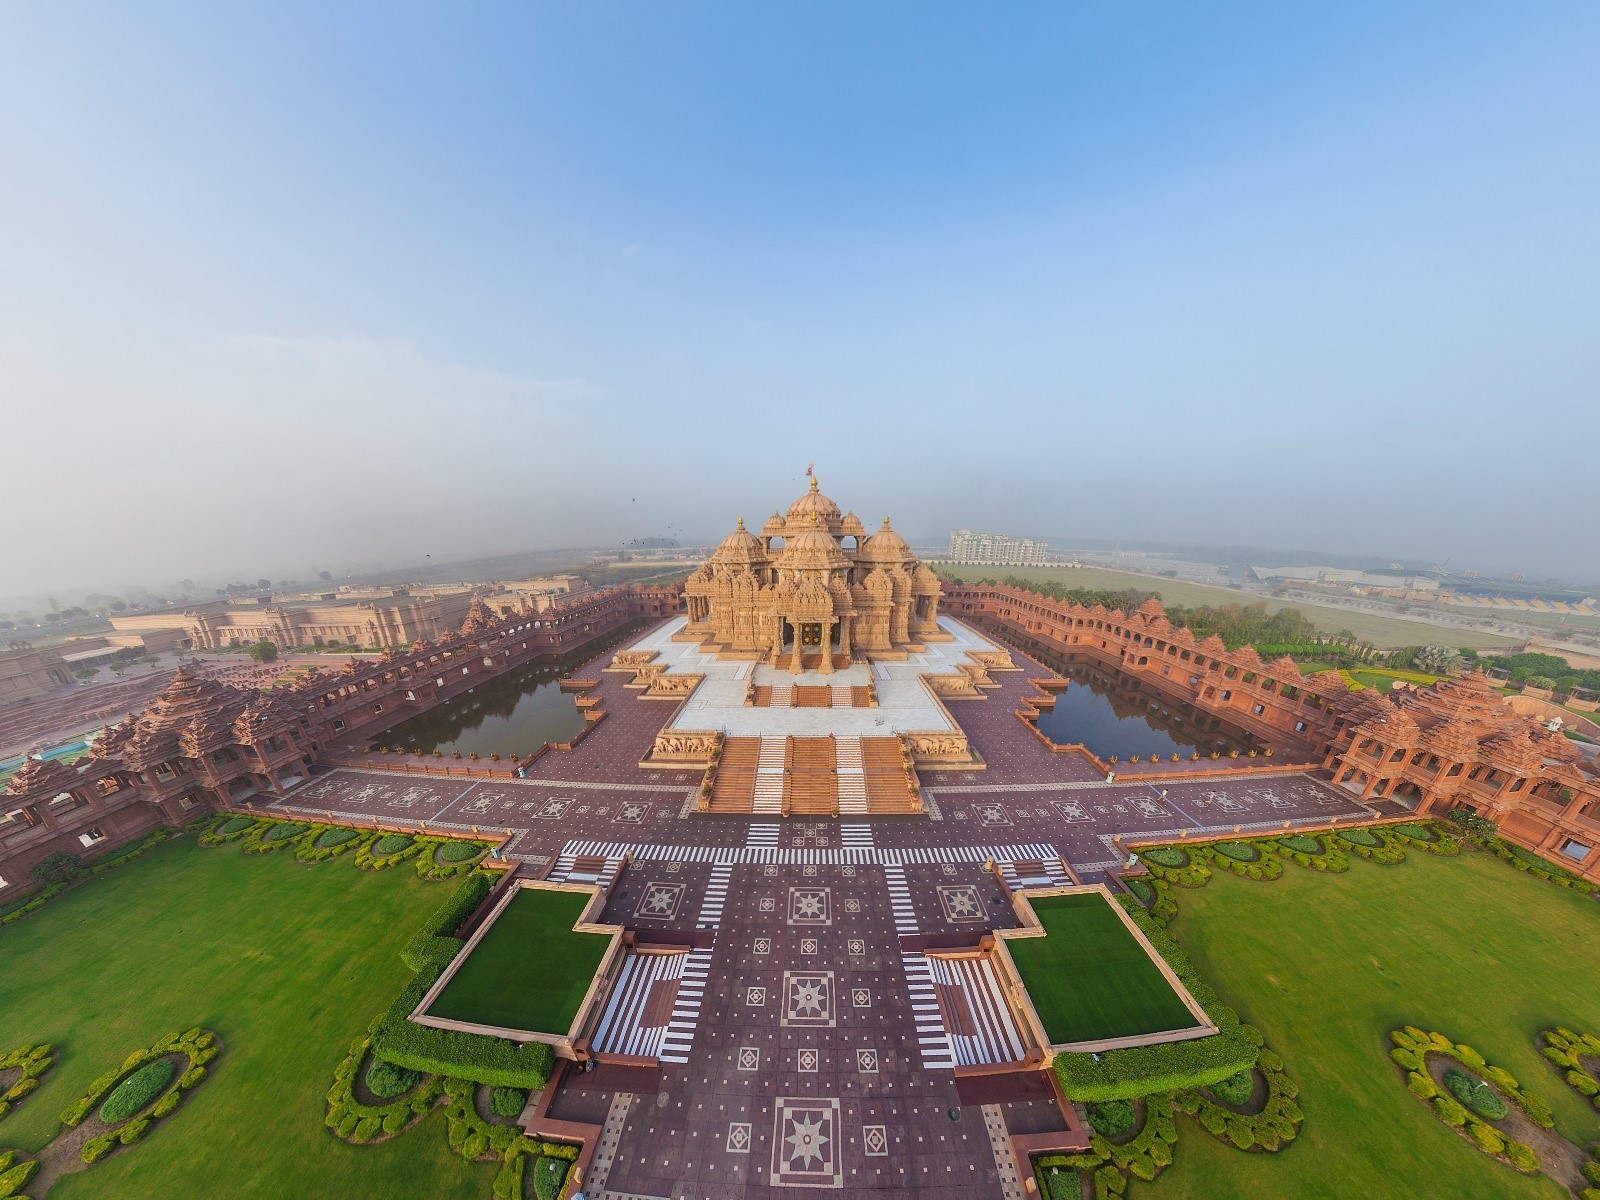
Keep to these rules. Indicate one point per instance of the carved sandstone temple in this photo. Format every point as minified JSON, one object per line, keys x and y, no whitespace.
{"x":800,"y":586}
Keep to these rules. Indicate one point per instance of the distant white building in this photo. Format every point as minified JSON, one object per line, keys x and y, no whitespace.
{"x":996,"y":549}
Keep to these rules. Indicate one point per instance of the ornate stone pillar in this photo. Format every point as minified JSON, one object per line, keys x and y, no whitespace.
{"x":795,"y":665}
{"x":827,"y":647}
{"x":844,"y":640}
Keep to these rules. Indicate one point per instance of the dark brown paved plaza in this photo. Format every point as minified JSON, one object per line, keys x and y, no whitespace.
{"x":811,"y":1060}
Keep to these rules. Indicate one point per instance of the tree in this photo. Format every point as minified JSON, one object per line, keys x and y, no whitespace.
{"x":264,"y":651}
{"x":59,"y":867}
{"x":263,"y":583}
{"x":1436,"y":660}
{"x":325,"y":576}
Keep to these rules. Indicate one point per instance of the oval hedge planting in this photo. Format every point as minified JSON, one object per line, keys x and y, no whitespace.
{"x":1238,"y":851}
{"x":454,"y":852}
{"x":1111,"y":1118}
{"x":235,"y":825}
{"x":1359,"y":837}
{"x":138,"y":1091}
{"x":1165,"y":856}
{"x":1477,"y":1095}
{"x":390,"y":843}
{"x":1235,"y":1089}
{"x":1410,"y":1054}
{"x":386,"y":1081}
{"x":1420,"y":832}
{"x":1569,"y":1052}
{"x":507,"y":1102}
{"x":1143,"y":890}
{"x":1302,"y":843}
{"x":282,"y":831}
{"x":337,"y":836}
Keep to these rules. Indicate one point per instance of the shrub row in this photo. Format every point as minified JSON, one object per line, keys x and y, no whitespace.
{"x":1319,"y":854}
{"x":225,"y":828}
{"x":1265,"y":865}
{"x":385,"y":851}
{"x":442,"y":858}
{"x":1167,"y":1066}
{"x":322,"y":842}
{"x":82,"y":869}
{"x":33,"y":1062}
{"x":1373,"y":844}
{"x":1143,"y":1156}
{"x":354,"y":1121}
{"x":1111,"y":1118}
{"x":1533,"y":864}
{"x":1428,"y":836}
{"x":432,"y":944}
{"x":1566,"y":1050}
{"x":1411,"y":1049}
{"x":549,"y":1162}
{"x":197,"y":1046}
{"x":465,"y":1056}
{"x":1274,"y":1127}
{"x":14,"y":1175}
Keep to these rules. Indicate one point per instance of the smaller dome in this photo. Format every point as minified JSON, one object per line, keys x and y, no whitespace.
{"x":885,"y":546}
{"x":740,"y":546}
{"x":813,"y":548}
{"x":852,"y":527}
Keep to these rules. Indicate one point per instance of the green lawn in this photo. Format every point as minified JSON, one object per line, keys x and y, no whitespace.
{"x":1089,"y":978}
{"x":1326,"y":965}
{"x":1379,"y":630}
{"x":530,"y":971}
{"x":287,"y":962}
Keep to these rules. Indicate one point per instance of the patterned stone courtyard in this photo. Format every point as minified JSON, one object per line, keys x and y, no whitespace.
{"x":810,"y":1037}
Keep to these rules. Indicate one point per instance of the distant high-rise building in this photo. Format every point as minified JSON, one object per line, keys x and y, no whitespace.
{"x":969,"y":546}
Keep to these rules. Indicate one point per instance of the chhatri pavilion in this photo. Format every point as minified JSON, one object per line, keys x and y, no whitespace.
{"x":800,"y":581}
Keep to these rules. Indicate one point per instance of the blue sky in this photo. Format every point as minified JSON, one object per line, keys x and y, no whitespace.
{"x":297,"y":285}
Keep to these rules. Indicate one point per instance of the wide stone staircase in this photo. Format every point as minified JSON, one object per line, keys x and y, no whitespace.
{"x":812,"y":776}
{"x":813,"y":789}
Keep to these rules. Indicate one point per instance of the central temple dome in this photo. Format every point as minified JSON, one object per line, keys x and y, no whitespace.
{"x":814,"y":503}
{"x":813,"y":548}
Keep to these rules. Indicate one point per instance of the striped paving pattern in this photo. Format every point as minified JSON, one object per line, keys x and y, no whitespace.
{"x":856,"y":837}
{"x":768,"y":796}
{"x":761,"y":834}
{"x":582,"y":867}
{"x":982,"y":1028}
{"x":851,"y":776}
{"x":905,"y":913}
{"x":643,"y":976}
{"x":678,"y":1039}
{"x":1034,"y":873}
{"x":932,"y":1039}
{"x":716,"y":896}
{"x":847,"y":856}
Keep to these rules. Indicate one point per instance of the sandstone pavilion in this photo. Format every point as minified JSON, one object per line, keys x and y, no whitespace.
{"x":811,"y":670}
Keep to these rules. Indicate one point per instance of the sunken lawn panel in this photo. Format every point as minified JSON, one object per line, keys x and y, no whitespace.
{"x":530,"y":970}
{"x":1089,"y":978}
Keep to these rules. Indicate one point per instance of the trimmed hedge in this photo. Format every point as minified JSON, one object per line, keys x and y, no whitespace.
{"x":1374,"y":844}
{"x":465,"y":1056}
{"x":385,"y":851}
{"x":267,"y":837}
{"x":442,"y":858}
{"x":1144,"y":1156}
{"x":432,"y":944}
{"x":1142,"y":889}
{"x":1275,"y":1126}
{"x":1566,"y":1051}
{"x":1235,"y":1089}
{"x":354,"y":1121}
{"x":322,"y":842}
{"x":507,"y":1102}
{"x":33,"y":1062}
{"x":197,"y":1047}
{"x":1467,"y":1116}
{"x":1111,"y":1118}
{"x":549,"y":1177}
{"x":1533,"y":864}
{"x":1165,"y":856}
{"x":1301,"y":843}
{"x":386,"y":1081}
{"x":1238,"y":851}
{"x":1428,"y":836}
{"x":1167,"y":1066}
{"x":138,"y":1091}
